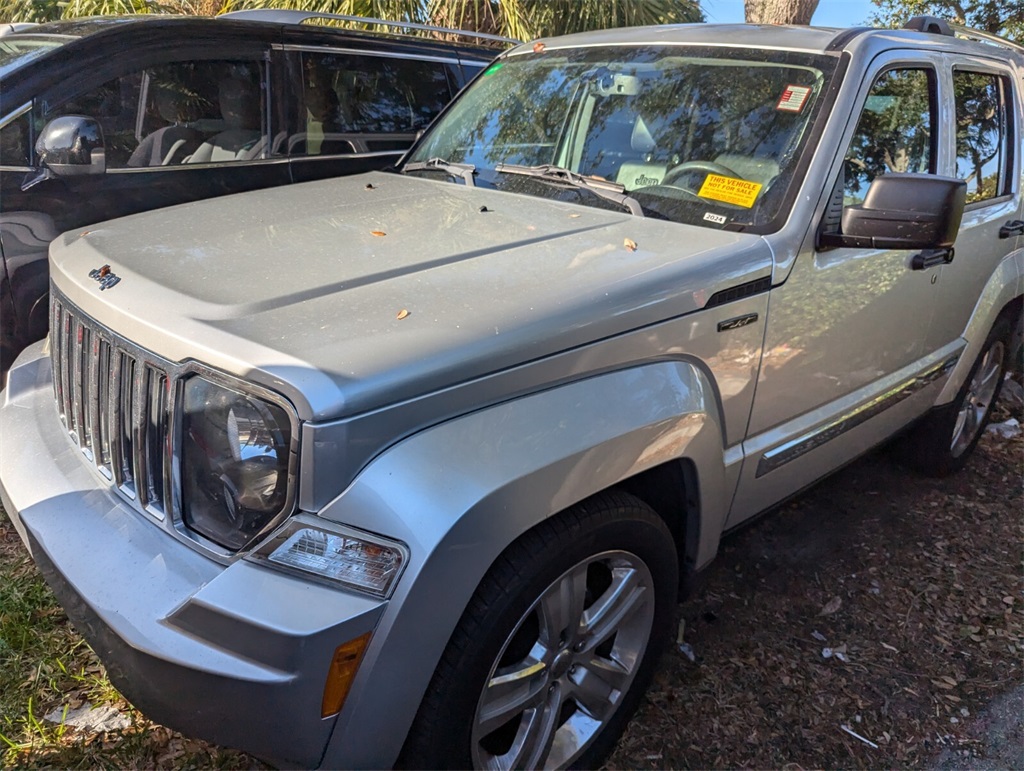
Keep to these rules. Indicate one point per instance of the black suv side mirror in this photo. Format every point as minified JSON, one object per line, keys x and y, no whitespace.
{"x":71,"y":145}
{"x":903,"y":211}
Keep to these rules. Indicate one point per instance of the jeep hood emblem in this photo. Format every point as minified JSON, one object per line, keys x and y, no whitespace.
{"x":106,"y":278}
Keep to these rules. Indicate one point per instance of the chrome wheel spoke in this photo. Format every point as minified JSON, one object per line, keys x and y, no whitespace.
{"x":532,"y":744}
{"x":598,"y":686}
{"x":561,"y":608}
{"x":509,"y":694}
{"x":621,"y":600}
{"x":989,"y":373}
{"x":983,"y":386}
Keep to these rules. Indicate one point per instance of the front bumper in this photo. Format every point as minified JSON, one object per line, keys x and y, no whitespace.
{"x":235,"y":654}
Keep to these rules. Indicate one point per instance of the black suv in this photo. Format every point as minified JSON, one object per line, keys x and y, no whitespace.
{"x":105,"y":117}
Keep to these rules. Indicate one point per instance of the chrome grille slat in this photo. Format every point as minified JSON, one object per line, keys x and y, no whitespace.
{"x":75,"y":352}
{"x":65,"y":375}
{"x":82,"y":403}
{"x":115,"y":402}
{"x":55,"y":328}
{"x":126,"y":424}
{"x":155,"y":429}
{"x":103,"y":408}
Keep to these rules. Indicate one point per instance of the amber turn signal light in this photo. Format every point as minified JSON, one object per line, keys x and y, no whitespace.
{"x":344,"y":665}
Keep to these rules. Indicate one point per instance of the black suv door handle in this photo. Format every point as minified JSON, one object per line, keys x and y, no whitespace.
{"x":1012,"y":228}
{"x":930,"y":258}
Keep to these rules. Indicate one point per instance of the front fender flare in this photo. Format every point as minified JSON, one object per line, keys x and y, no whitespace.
{"x":460,"y":492}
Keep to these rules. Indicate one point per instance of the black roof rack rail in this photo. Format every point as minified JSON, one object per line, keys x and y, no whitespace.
{"x":294,"y":16}
{"x":931,"y":24}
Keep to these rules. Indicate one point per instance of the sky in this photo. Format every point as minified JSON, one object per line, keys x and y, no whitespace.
{"x":830,"y":13}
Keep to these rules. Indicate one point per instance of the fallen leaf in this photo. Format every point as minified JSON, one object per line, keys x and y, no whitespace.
{"x":831,"y":606}
{"x":630,"y":244}
{"x":377,"y":233}
{"x":402,"y":314}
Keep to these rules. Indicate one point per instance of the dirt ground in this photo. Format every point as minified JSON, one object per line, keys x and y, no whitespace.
{"x":876,"y":621}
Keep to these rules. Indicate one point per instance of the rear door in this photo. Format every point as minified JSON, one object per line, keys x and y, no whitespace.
{"x":358,"y":110}
{"x":984,"y":151}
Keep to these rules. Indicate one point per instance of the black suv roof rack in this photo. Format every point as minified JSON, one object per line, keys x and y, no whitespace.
{"x":294,"y":16}
{"x":931,"y":24}
{"x":936,"y":26}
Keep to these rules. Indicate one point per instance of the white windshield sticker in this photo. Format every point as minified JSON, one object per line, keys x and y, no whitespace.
{"x":718,"y":219}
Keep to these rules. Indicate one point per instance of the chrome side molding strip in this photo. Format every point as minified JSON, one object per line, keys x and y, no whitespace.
{"x":802,"y":445}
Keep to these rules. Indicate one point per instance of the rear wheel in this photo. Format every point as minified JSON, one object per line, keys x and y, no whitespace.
{"x":554,"y":652}
{"x":944,"y":440}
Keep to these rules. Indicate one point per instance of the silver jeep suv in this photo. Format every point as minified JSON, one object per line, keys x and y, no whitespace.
{"x":411,"y":467}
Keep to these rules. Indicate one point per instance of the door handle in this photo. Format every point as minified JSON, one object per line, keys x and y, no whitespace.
{"x":1012,"y":228}
{"x":930,"y":258}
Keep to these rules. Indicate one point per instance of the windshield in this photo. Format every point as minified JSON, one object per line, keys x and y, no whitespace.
{"x":702,"y":136}
{"x":19,"y":49}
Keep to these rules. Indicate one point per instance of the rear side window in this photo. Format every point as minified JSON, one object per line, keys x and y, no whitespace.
{"x":354,"y":103}
{"x":982,"y":133}
{"x":895,"y":132}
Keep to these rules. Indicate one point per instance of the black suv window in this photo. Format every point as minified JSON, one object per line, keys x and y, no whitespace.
{"x":895,"y":132}
{"x":180,"y":112}
{"x":15,"y":150}
{"x":982,"y":147}
{"x":353,"y":103}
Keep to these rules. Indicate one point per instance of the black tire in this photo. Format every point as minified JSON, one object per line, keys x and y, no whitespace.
{"x":610,"y":546}
{"x":941,"y":443}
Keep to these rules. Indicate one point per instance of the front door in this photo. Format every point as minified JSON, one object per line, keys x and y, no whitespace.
{"x":848,"y":328}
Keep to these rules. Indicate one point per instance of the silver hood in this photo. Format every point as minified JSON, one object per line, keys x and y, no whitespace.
{"x":349,"y":294}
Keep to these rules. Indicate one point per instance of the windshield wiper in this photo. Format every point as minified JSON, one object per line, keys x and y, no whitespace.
{"x":602,"y":188}
{"x":457,"y":170}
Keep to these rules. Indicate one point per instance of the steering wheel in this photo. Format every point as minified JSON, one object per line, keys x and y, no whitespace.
{"x":689,"y":166}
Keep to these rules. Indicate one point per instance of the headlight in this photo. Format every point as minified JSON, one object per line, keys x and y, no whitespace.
{"x":335,"y":554}
{"x":235,"y":464}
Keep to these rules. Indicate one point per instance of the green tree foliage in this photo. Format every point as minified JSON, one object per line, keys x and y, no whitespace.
{"x":999,"y":17}
{"x":523,"y":19}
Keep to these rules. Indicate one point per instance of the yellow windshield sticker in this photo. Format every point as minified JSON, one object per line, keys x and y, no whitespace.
{"x":729,"y":190}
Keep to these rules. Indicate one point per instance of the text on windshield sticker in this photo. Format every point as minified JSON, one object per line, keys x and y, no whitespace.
{"x":729,"y":190}
{"x":793,"y":98}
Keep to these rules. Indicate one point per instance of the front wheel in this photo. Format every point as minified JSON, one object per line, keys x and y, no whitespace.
{"x":555,"y":649}
{"x":943,"y":441}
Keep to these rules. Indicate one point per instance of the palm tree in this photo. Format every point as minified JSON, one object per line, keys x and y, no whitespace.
{"x":522,"y":19}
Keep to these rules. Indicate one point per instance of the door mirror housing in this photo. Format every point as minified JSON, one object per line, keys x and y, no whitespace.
{"x":72,"y":145}
{"x":903,"y":211}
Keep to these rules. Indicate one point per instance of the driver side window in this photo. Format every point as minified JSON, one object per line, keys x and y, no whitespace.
{"x":895,"y":132}
{"x":202,"y":111}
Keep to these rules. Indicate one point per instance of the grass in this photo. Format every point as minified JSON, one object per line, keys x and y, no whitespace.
{"x":46,"y":666}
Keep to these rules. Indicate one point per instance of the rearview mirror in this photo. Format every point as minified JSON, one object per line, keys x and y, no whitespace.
{"x":903,"y":211}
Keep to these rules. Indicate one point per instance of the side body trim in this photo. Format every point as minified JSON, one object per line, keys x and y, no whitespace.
{"x":804,"y":444}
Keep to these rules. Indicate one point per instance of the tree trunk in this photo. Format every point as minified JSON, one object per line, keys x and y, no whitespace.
{"x":779,"y":11}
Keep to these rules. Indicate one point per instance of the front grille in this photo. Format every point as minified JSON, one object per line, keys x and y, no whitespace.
{"x":115,"y":400}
